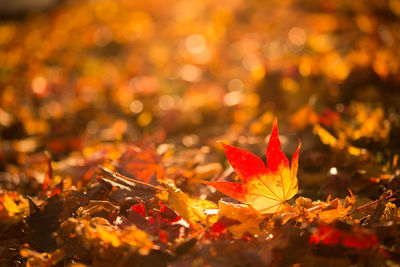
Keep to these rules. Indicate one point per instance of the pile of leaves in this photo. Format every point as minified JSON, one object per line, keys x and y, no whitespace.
{"x":133,"y":134}
{"x":145,"y":219}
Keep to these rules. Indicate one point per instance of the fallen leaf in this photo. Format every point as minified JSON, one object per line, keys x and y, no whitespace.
{"x":162,"y":222}
{"x":99,"y":229}
{"x":126,"y":190}
{"x":391,"y":213}
{"x":248,"y":219}
{"x":333,"y":211}
{"x":142,"y":163}
{"x":265,"y":188}
{"x":10,"y":205}
{"x":191,"y":211}
{"x":331,"y":236}
{"x":328,"y":212}
{"x":328,"y":139}
{"x":43,"y":221}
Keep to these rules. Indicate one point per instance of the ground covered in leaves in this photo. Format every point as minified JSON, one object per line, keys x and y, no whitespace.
{"x":111,"y":113}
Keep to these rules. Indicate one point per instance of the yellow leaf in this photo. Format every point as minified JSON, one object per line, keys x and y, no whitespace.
{"x":100,"y":229}
{"x":190,"y":210}
{"x":329,"y":139}
{"x":248,"y":217}
{"x":325,"y":136}
{"x":10,"y":205}
{"x":137,"y":238}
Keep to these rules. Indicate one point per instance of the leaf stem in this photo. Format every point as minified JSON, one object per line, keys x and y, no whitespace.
{"x":114,"y":173}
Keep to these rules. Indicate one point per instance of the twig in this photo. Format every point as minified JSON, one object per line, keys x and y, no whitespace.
{"x":114,"y":173}
{"x":392,"y":197}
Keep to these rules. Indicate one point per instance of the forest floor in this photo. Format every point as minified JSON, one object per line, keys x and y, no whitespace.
{"x":134,"y":133}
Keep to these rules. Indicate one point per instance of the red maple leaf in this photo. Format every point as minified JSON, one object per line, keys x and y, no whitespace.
{"x":264,"y":188}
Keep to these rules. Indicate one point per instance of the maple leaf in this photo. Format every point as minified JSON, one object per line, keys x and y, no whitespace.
{"x":142,"y":163}
{"x":264,"y":188}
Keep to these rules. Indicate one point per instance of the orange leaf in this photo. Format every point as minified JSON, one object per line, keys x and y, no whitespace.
{"x":142,"y":163}
{"x":265,"y":188}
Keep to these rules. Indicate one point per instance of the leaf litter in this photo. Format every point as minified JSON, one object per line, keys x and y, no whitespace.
{"x":141,"y":143}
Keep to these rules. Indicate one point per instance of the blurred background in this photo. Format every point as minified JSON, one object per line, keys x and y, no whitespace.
{"x":75,"y":74}
{"x":19,"y":7}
